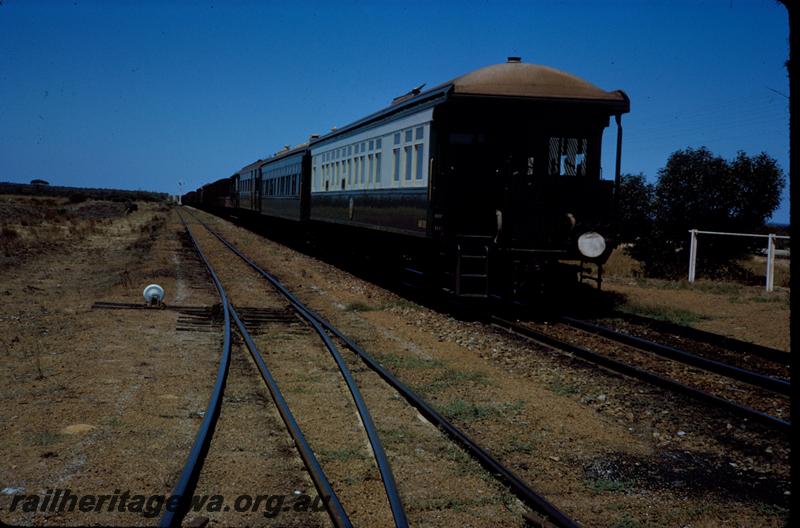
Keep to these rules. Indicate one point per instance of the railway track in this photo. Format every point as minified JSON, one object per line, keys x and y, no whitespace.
{"x":742,"y":348}
{"x":772,"y":383}
{"x":552,"y":515}
{"x":192,"y":468}
{"x":617,"y":348}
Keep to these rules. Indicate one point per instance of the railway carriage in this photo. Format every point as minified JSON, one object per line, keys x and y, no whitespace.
{"x":277,"y":186}
{"x":220,"y":194}
{"x":248,"y":188}
{"x":492,"y":179}
{"x":374,"y":174}
{"x":284,"y":185}
{"x":487,"y":185}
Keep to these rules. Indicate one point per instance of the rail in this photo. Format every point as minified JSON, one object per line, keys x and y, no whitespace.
{"x":643,"y":375}
{"x":188,"y":480}
{"x":771,"y":354}
{"x":521,"y":489}
{"x":191,"y":469}
{"x":334,"y":506}
{"x":778,"y":385}
{"x":381,"y":459}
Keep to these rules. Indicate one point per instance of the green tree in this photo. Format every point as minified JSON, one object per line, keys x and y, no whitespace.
{"x":760,"y":182}
{"x":634,"y":208}
{"x":699,"y":190}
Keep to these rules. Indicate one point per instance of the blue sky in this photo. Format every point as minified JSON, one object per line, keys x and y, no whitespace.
{"x":139,"y":95}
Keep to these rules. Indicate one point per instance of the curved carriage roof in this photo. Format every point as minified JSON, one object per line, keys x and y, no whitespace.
{"x":519,"y":79}
{"x":511,"y":79}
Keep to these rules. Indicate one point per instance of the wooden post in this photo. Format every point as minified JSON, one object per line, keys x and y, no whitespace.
{"x":692,"y":255}
{"x":770,"y":263}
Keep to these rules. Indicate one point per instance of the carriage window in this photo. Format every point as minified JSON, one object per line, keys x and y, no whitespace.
{"x":363,"y":163}
{"x":567,"y":157}
{"x":418,"y":157}
{"x":407,"y":161}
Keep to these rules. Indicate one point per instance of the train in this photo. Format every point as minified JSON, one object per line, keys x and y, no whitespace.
{"x":485,"y":186}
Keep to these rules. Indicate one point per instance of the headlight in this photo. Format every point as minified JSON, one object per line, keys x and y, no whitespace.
{"x":591,"y":244}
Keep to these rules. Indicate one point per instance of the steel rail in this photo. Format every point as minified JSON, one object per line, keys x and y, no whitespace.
{"x":518,"y":486}
{"x":778,"y":385}
{"x":191,"y":469}
{"x":644,"y":375}
{"x":332,"y":503}
{"x":396,"y":505}
{"x":331,"y":500}
{"x":771,"y":354}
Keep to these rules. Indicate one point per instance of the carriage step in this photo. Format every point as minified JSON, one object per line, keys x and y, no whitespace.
{"x":472,"y":266}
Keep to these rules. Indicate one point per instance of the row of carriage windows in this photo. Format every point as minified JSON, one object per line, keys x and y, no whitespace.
{"x":361,"y":164}
{"x":282,"y":181}
{"x":282,"y":186}
{"x":247,"y":181}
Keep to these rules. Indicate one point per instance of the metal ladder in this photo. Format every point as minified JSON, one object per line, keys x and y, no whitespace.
{"x":472,"y":266}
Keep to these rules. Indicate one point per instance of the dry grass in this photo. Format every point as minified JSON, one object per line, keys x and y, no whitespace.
{"x":744,"y":311}
{"x":741,"y":311}
{"x":31,"y":226}
{"x":757,"y":265}
{"x":620,"y":265}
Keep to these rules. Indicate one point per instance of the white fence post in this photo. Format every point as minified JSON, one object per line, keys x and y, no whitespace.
{"x":692,"y":254}
{"x":771,"y":238}
{"x":770,"y":262}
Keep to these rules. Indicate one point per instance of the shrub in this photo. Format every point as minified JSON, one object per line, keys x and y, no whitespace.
{"x":699,"y":190}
